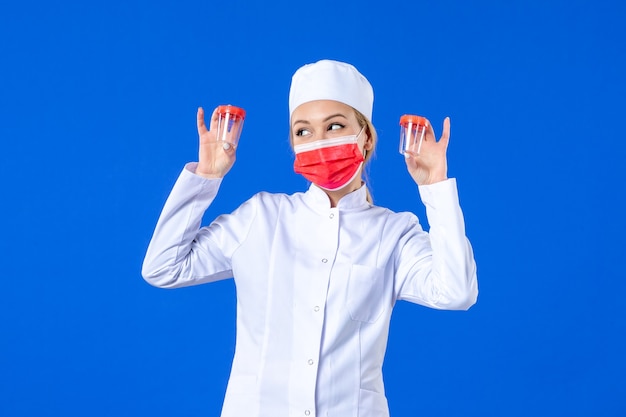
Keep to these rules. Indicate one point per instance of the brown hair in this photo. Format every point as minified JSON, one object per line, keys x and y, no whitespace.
{"x":371,"y":132}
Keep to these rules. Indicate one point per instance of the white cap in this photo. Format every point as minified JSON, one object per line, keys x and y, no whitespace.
{"x":331,"y":80}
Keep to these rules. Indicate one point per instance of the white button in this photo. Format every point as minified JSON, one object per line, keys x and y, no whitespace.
{"x":310,"y":362}
{"x":316,"y":308}
{"x":332,"y":216}
{"x":307,"y":412}
{"x":324,"y":260}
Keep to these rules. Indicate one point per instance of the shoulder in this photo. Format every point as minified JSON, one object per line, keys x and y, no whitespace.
{"x":394,"y":216}
{"x":269,"y":197}
{"x":396,"y":223}
{"x":269,"y":200}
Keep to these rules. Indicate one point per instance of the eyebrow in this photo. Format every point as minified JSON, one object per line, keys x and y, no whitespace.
{"x":325,"y":120}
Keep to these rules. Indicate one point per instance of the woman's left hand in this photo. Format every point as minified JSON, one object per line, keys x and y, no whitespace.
{"x":430,"y":166}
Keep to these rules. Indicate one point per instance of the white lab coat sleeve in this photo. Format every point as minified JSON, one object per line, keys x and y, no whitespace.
{"x":181,"y":253}
{"x":437,"y":269}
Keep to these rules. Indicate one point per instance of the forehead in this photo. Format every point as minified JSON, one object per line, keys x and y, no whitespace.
{"x":319,"y":110}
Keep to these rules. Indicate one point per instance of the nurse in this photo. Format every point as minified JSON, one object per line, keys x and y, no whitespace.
{"x":318,"y":272}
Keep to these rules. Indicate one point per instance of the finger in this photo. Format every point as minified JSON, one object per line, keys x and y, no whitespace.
{"x":200,"y":121}
{"x":214,"y":117}
{"x":445,"y":135}
{"x":411,"y":161}
{"x":430,"y":132}
{"x":229,"y":150}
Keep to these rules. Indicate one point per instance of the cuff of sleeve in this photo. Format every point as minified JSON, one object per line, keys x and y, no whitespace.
{"x":443,"y":193}
{"x":189,"y":175}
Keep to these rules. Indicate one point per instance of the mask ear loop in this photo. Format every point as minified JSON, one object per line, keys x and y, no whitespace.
{"x":357,"y":138}
{"x":360,"y":131}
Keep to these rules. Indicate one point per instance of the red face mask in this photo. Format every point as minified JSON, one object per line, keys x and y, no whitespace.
{"x":330,"y":164}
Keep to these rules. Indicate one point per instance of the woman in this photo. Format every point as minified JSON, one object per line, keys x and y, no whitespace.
{"x":317,"y":273}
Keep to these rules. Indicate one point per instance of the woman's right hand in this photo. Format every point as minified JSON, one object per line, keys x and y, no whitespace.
{"x":215,"y":158}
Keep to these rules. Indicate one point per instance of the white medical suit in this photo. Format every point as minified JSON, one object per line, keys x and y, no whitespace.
{"x":315,"y":287}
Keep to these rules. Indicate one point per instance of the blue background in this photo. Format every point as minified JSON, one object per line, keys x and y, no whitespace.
{"x":97,"y":118}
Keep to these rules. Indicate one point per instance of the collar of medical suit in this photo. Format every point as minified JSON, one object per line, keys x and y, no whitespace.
{"x":317,"y":199}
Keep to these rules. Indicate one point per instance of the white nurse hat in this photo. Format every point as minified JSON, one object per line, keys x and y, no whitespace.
{"x":331,"y":80}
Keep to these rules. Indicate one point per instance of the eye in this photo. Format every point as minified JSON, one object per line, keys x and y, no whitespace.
{"x":302,"y":132}
{"x":335,"y":126}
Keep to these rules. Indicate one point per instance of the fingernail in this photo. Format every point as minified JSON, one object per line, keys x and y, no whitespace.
{"x":226,"y":146}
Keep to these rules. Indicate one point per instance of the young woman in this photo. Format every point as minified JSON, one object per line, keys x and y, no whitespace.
{"x":317,"y":273}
